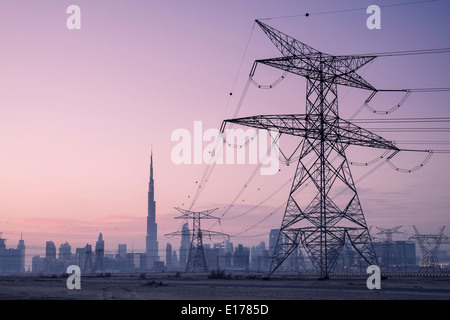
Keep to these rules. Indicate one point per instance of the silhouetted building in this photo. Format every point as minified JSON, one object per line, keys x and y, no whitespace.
{"x":151,"y":240}
{"x":259,"y":257}
{"x":12,"y":260}
{"x":224,"y":254}
{"x":174,"y":260}
{"x":65,"y":252}
{"x":21,"y":248}
{"x":273,"y":238}
{"x":50,"y":250}
{"x":99,"y":254}
{"x":122,"y":250}
{"x":185,"y":245}
{"x":80,"y":256}
{"x":49,"y":264}
{"x":169,"y":256}
{"x":87,"y":265}
{"x":241,"y":257}
{"x":398,"y":255}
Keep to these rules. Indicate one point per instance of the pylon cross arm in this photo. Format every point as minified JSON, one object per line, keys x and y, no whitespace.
{"x":301,"y":125}
{"x":330,"y":69}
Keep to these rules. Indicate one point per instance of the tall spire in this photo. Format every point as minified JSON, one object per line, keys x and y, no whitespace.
{"x":151,"y":164}
{"x":151,"y":238}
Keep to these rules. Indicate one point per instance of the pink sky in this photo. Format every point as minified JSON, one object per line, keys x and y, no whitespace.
{"x":80,"y":109}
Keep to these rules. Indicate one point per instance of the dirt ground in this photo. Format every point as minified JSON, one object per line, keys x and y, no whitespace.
{"x":199,"y":287}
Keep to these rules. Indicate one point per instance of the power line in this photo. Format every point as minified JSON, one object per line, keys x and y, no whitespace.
{"x":307,"y":14}
{"x":406,"y":52}
{"x":403,"y":120}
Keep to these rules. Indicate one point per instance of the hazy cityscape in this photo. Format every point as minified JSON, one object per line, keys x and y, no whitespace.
{"x":223,"y":255}
{"x":226,"y":150}
{"x":393,"y":255}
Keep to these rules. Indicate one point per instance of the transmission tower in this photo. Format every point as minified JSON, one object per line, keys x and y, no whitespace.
{"x":88,"y":258}
{"x":323,"y":222}
{"x":389,"y":254}
{"x":196,"y":258}
{"x":429,"y":246}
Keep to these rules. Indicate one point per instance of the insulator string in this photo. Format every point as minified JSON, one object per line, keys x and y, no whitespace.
{"x":363,"y":164}
{"x":386,"y":112}
{"x":268,"y":86}
{"x":414,"y":169}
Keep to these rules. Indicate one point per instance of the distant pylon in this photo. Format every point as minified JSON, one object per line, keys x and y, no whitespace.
{"x":88,"y":258}
{"x":389,"y":254}
{"x":196,"y":259}
{"x":429,"y":246}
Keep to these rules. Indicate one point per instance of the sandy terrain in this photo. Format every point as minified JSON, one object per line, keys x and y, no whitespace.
{"x":189,"y":287}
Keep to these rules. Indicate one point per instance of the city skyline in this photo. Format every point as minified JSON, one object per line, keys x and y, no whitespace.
{"x":56,"y":259}
{"x":113,"y":249}
{"x":76,"y":158}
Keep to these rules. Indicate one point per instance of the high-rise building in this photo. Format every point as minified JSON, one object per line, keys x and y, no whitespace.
{"x":174,"y":259}
{"x":396,"y":255}
{"x":99,"y":253}
{"x":168,"y":255}
{"x":65,"y":253}
{"x":21,"y":248}
{"x":151,"y":241}
{"x":273,"y":238}
{"x":242,"y":257}
{"x":259,"y":256}
{"x":185,"y":245}
{"x":12,"y":260}
{"x":50,"y":250}
{"x":122,"y":250}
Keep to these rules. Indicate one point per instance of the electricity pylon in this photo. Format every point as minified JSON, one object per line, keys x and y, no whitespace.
{"x":429,"y":245}
{"x":88,"y":258}
{"x":389,"y":254}
{"x":329,"y":217}
{"x":196,"y":258}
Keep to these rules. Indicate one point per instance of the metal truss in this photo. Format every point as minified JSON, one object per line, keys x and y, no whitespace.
{"x":196,"y":260}
{"x":429,"y":245}
{"x":389,"y":254}
{"x":323,"y":210}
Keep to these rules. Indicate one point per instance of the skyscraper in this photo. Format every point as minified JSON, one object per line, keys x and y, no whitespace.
{"x":273,"y":237}
{"x":99,"y":253}
{"x":185,"y":245}
{"x":65,"y":252}
{"x":168,"y":255}
{"x":50,"y":250}
{"x":151,"y":242}
{"x":21,"y":248}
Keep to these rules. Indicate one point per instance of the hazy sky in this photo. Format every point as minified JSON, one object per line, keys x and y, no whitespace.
{"x":80,"y":110}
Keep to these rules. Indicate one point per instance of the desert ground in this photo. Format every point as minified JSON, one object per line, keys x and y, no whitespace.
{"x":167,"y":286}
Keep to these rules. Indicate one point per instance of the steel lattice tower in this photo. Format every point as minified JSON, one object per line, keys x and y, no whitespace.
{"x":324,"y":222}
{"x":196,"y":259}
{"x":429,"y":245}
{"x":88,"y":258}
{"x":389,"y":243}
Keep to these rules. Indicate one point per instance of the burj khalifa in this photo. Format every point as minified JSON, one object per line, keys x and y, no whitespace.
{"x":151,"y":242}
